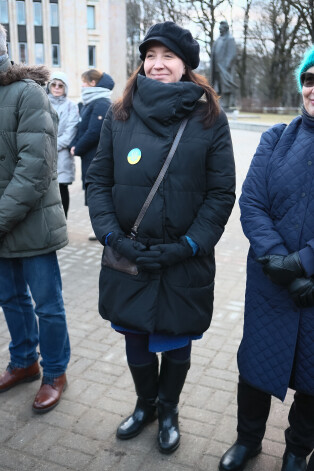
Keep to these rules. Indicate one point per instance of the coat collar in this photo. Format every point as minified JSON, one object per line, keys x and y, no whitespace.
{"x":160,"y":105}
{"x":10,"y":73}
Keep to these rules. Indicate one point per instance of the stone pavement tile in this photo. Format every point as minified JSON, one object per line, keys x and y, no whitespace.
{"x":45,"y":441}
{"x":217,"y":383}
{"x":273,"y":448}
{"x":96,"y":425}
{"x":69,"y":407}
{"x":196,"y":428}
{"x":72,"y":459}
{"x":58,"y":419}
{"x":79,"y":442}
{"x":163,"y":463}
{"x":25,"y":435}
{"x":198,"y":414}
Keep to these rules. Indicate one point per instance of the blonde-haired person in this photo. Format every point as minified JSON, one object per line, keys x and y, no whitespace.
{"x":277,"y":348}
{"x":68,"y":120}
{"x":169,"y":303}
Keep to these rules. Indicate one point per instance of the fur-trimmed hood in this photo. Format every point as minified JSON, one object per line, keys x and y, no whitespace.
{"x":16,"y":72}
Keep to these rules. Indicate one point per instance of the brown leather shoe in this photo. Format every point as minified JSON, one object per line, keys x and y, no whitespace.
{"x":49,"y":394}
{"x":13,"y":376}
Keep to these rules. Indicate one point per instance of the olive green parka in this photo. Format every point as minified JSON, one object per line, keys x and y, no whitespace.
{"x":32,"y":220}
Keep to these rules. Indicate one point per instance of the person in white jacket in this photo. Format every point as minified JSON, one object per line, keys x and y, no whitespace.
{"x":68,"y":120}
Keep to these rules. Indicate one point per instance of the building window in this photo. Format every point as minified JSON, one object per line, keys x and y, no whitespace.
{"x":91,"y":17}
{"x":91,"y":56}
{"x":20,"y":13}
{"x":54,"y":16}
{"x":4,"y":12}
{"x":55,"y":55}
{"x":38,"y":17}
{"x":39,"y":53}
{"x":23,"y":53}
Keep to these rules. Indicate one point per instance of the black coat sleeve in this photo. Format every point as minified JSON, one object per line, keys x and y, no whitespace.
{"x":90,"y":137}
{"x":214,"y":213}
{"x":99,"y":182}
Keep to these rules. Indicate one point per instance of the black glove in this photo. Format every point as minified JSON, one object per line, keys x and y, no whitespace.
{"x":302,"y":292}
{"x":129,"y":248}
{"x":165,"y":255}
{"x":282,"y":269}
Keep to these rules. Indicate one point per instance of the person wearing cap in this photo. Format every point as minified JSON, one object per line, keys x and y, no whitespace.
{"x":96,"y":92}
{"x":277,"y":348}
{"x":32,"y":229}
{"x":170,"y":301}
{"x":68,"y":121}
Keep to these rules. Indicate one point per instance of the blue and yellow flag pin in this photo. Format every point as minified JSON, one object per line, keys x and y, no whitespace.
{"x":134,"y":156}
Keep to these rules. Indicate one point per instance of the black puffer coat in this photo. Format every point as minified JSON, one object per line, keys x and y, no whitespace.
{"x":194,"y":199}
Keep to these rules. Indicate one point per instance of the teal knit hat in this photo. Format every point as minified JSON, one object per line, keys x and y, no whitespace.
{"x":308,"y":61}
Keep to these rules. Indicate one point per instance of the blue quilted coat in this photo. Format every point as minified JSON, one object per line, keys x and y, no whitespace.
{"x":277,"y":216}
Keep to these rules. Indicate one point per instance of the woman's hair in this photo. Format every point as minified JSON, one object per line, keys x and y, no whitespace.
{"x":91,"y":74}
{"x":122,"y":107}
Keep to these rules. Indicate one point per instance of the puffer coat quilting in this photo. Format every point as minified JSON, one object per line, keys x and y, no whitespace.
{"x":194,"y":199}
{"x":32,"y":220}
{"x":277,"y":207}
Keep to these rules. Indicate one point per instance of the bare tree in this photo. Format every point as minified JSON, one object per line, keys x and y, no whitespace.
{"x":305,"y":10}
{"x":242,"y":63}
{"x":276,"y":34}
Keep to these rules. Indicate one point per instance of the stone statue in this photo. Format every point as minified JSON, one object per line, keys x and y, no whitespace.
{"x":223,"y":59}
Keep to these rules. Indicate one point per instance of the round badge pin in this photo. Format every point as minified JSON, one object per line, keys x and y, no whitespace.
{"x":134,"y":156}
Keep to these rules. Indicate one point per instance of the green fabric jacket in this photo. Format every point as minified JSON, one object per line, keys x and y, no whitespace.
{"x":32,"y":220}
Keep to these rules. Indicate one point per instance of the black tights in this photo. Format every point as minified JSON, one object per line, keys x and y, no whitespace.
{"x":65,"y":197}
{"x":137,"y":352}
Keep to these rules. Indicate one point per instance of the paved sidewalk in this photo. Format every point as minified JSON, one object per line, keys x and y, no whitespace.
{"x":80,"y":433}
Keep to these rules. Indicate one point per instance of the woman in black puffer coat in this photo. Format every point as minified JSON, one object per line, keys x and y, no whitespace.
{"x":169,"y":302}
{"x":96,"y":93}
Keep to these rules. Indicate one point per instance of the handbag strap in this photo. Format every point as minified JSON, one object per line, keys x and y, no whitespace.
{"x":159,"y":178}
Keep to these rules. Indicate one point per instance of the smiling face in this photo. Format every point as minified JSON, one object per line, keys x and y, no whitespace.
{"x":308,"y":95}
{"x":162,"y":64}
{"x":57,"y":87}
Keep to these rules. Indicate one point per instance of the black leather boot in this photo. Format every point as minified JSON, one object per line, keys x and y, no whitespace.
{"x":146,"y":385}
{"x":292,"y":462}
{"x":171,"y":381}
{"x":236,"y":458}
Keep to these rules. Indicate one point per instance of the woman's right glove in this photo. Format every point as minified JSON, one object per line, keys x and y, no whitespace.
{"x":302,"y":292}
{"x":165,"y":255}
{"x":282,"y":269}
{"x":129,"y":248}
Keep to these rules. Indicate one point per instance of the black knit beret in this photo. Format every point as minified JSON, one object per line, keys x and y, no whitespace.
{"x":175,"y":38}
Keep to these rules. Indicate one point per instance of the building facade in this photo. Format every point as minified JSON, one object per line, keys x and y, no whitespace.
{"x":68,"y":35}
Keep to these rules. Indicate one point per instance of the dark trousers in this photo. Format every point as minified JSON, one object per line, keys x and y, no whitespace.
{"x":253,"y":411}
{"x":65,"y":197}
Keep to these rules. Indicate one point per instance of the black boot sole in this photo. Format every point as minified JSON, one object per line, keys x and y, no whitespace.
{"x":168,"y":451}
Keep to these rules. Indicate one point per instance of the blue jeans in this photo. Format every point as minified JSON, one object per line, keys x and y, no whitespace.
{"x":40,"y":276}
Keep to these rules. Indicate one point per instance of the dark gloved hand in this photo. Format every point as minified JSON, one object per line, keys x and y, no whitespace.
{"x":302,"y":292}
{"x":282,"y":269}
{"x":165,"y":255}
{"x":129,"y":248}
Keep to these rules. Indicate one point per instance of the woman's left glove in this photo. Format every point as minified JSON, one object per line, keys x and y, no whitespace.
{"x":302,"y":292}
{"x":282,"y":269}
{"x":165,"y":255}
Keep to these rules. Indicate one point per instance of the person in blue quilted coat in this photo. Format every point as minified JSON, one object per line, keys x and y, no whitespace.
{"x":277,"y":348}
